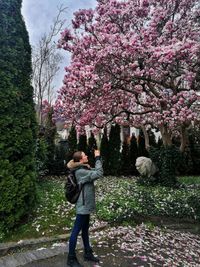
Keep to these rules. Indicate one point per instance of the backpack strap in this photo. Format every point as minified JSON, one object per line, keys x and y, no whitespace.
{"x":81,"y":185}
{"x":83,"y":195}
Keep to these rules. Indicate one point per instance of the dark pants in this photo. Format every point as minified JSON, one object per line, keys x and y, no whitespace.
{"x":81,"y":223}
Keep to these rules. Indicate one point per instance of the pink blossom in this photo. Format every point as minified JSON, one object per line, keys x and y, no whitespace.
{"x":134,"y":62}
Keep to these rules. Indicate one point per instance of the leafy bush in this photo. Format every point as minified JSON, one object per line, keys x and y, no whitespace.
{"x":148,"y":180}
{"x":167,"y":159}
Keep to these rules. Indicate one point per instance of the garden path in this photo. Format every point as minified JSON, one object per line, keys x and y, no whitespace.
{"x":127,"y":246}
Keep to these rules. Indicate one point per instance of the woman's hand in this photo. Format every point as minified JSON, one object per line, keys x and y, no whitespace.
{"x":96,"y":153}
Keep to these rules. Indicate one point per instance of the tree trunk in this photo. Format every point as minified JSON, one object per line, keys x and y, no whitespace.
{"x":146,"y":138}
{"x":184,"y":138}
{"x":166,"y":136}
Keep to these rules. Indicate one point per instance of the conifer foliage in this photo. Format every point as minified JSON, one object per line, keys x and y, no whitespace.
{"x":114,"y":150}
{"x":50,"y":134}
{"x":194,"y":144}
{"x":141,"y":145}
{"x":125,"y":159}
{"x":133,"y":155}
{"x":104,"y":148}
{"x":17,"y":120}
{"x":152,"y":138}
{"x":82,"y":144}
{"x":92,"y":145}
{"x":72,"y":143}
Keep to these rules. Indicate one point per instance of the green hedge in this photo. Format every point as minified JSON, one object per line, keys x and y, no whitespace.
{"x":17,"y":120}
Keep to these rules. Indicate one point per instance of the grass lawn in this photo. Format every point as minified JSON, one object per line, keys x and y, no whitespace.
{"x":118,"y":199}
{"x":188,"y":180}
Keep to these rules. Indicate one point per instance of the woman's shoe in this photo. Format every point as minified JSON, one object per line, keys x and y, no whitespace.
{"x":89,"y":256}
{"x":72,"y":261}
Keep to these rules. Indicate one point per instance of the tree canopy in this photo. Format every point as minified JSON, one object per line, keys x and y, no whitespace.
{"x":134,"y":62}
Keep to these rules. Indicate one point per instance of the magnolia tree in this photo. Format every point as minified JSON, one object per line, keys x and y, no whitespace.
{"x":135,"y":62}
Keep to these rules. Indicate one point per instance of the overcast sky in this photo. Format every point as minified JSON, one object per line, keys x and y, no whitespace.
{"x":39,"y":14}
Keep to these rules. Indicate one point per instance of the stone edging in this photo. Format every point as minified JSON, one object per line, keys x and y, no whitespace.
{"x":21,"y":259}
{"x":10,"y":246}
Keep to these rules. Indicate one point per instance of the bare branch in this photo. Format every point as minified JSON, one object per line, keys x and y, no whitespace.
{"x":45,"y":62}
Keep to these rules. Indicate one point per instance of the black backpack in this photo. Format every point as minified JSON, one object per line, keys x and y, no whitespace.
{"x":72,"y":188}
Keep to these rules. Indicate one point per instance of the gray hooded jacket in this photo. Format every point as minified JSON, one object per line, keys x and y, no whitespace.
{"x":84,"y":174}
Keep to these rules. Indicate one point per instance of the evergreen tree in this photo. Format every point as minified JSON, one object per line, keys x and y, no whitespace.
{"x":159,"y":142}
{"x":72,"y":143}
{"x":114,"y":150}
{"x":133,"y":155}
{"x":141,"y":145}
{"x":41,"y":156}
{"x":152,"y":138}
{"x":58,"y":166}
{"x":125,"y":159}
{"x":104,"y":149}
{"x":82,"y":144}
{"x":17,"y":120}
{"x":50,"y":134}
{"x":92,"y":145}
{"x":194,"y":143}
{"x":57,"y":154}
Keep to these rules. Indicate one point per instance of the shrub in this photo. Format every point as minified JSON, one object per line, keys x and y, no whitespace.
{"x":167,"y":160}
{"x":17,"y":120}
